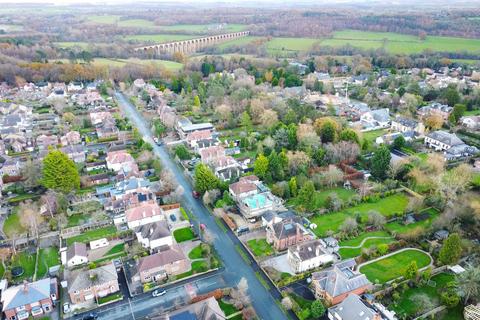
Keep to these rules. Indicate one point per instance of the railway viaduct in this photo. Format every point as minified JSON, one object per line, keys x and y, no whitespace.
{"x":192,"y":45}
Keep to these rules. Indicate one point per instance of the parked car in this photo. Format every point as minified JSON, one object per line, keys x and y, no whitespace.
{"x":196,"y":194}
{"x":66,"y":307}
{"x":90,"y":316}
{"x":173,"y":218}
{"x":158,"y":293}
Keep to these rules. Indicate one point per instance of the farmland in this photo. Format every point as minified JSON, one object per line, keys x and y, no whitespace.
{"x":113,"y":19}
{"x":169,"y":65}
{"x":199,"y":28}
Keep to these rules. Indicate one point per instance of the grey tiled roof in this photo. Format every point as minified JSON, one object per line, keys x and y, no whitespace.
{"x":154,"y":230}
{"x":445,"y":137}
{"x":76,"y":249}
{"x":353,"y":308}
{"x":17,"y":296}
{"x":340,"y":278}
{"x":83,"y":279}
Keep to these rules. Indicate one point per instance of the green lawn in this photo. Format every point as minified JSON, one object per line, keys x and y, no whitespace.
{"x":372,"y":135}
{"x":110,"y":297}
{"x":346,"y":253}
{"x":227,"y":308}
{"x":48,"y":258}
{"x":260,"y":247}
{"x":394,"y":266}
{"x":387,"y":206}
{"x":407,"y":305}
{"x":115,"y":249}
{"x":27,"y":262}
{"x":196,"y":253}
{"x":77,"y":219}
{"x":183,"y":234}
{"x":400,"y":228}
{"x":93,"y":235}
{"x":321,"y":196}
{"x":12,"y":226}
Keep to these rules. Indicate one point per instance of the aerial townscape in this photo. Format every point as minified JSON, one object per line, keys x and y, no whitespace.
{"x":240,"y":160}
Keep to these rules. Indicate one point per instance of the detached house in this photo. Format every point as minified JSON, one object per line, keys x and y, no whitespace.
{"x":337,"y":282}
{"x":121,"y":160}
{"x":453,"y":147}
{"x":375,"y":119}
{"x":308,"y":255}
{"x":401,"y":124}
{"x":286,"y":233}
{"x":75,"y":152}
{"x":76,"y":255}
{"x":87,"y":285}
{"x":159,"y":266}
{"x":30,"y":299}
{"x":144,"y":213}
{"x":154,"y":235}
{"x":43,"y":141}
{"x":435,"y":108}
{"x":71,"y":138}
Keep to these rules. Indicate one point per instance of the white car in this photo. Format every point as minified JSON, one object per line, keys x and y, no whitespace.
{"x":158,"y":293}
{"x":66,"y":307}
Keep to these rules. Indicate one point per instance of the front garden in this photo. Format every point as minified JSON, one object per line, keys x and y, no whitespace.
{"x":183,"y":234}
{"x":260,"y":247}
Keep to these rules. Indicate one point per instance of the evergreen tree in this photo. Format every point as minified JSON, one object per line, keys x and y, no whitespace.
{"x":451,"y":250}
{"x":260,"y":167}
{"x":306,"y":195}
{"x":327,"y":132}
{"x":205,"y":179}
{"x":381,"y":162}
{"x":59,"y":172}
{"x":292,"y":185}
{"x":349,"y":135}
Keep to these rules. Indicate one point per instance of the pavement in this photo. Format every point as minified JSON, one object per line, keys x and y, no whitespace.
{"x":225,"y":243}
{"x":144,"y":305}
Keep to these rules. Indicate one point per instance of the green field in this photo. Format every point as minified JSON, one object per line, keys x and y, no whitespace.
{"x":238,"y":42}
{"x":169,"y":65}
{"x":11,"y":27}
{"x":114,"y":19}
{"x":203,"y":28}
{"x":466,"y":61}
{"x":278,"y":45}
{"x":393,"y":267}
{"x":158,"y":38}
{"x":401,"y":43}
{"x":387,"y":206}
{"x":400,"y":228}
{"x":321,"y":196}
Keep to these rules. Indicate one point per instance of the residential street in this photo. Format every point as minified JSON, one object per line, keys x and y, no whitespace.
{"x":143,"y":305}
{"x":235,"y":266}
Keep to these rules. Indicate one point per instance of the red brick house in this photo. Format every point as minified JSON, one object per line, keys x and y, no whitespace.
{"x":286,"y":233}
{"x":87,"y":285}
{"x":30,"y":299}
{"x":335,"y":283}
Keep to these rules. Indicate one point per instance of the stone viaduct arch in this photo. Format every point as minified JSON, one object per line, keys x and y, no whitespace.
{"x":191,"y":45}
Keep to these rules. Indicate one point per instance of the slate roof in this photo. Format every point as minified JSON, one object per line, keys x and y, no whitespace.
{"x":83,"y":279}
{"x":445,"y":137}
{"x":154,"y":230}
{"x":353,"y":308}
{"x":76,"y":249}
{"x":17,"y":296}
{"x":286,"y":228}
{"x":172,"y":254}
{"x":340,"y":278}
{"x":410,"y":123}
{"x":308,"y":250}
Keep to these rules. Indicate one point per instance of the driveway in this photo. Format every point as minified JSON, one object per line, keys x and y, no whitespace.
{"x":236,"y":267}
{"x":279,"y":263}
